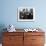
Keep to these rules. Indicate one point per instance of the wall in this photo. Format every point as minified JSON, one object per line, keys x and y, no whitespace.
{"x":9,"y":13}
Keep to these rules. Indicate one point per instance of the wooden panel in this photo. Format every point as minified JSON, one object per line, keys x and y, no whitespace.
{"x":34,"y":33}
{"x":27,"y":41}
{"x":13,"y":33}
{"x":13,"y":40}
{"x":18,"y":41}
{"x":37,"y":39}
{"x":37,"y":45}
{"x":33,"y":38}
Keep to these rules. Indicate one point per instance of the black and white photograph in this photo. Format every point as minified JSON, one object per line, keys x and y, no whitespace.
{"x":26,"y":14}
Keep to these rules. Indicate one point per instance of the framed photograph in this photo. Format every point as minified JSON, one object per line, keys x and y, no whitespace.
{"x":26,"y":14}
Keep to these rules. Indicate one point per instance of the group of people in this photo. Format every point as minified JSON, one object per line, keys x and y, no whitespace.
{"x":26,"y":14}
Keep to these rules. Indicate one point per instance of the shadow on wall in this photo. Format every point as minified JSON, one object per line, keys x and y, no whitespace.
{"x":2,"y":26}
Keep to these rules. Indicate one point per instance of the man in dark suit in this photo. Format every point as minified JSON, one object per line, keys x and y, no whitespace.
{"x":30,"y":14}
{"x":22,"y":14}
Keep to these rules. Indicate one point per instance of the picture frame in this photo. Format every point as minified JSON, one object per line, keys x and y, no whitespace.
{"x":26,"y":14}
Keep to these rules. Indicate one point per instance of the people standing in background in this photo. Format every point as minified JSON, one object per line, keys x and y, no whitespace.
{"x":30,"y":14}
{"x":26,"y":13}
{"x":22,"y":14}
